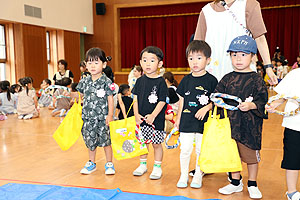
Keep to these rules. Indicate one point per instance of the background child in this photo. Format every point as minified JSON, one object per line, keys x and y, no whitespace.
{"x":45,"y":99}
{"x":150,"y":93}
{"x":7,"y":100}
{"x":124,"y":89}
{"x":172,"y":87}
{"x":97,"y":110}
{"x":291,"y":152}
{"x":27,"y":106}
{"x":61,"y":98}
{"x":137,"y":73}
{"x":194,"y":91}
{"x":83,"y":70}
{"x":297,"y":63}
{"x":246,"y":123}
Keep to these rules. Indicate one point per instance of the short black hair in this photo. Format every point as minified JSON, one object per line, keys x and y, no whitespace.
{"x":95,"y":53}
{"x":65,"y":81}
{"x":63,"y":62}
{"x":47,"y":81}
{"x":82,"y":64}
{"x":123,"y":88}
{"x":73,"y":86}
{"x":155,"y":50}
{"x":198,"y":46}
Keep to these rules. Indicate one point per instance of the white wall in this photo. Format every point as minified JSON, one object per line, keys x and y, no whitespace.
{"x":70,"y":15}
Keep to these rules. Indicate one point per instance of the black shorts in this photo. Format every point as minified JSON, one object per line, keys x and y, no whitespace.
{"x":291,"y":150}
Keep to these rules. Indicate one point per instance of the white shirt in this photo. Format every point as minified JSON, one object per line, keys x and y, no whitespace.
{"x":290,"y":86}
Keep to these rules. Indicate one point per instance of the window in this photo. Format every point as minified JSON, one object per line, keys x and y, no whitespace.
{"x":2,"y":53}
{"x":48,"y":53}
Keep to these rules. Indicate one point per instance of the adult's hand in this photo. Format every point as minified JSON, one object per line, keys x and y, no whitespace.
{"x":273,"y":78}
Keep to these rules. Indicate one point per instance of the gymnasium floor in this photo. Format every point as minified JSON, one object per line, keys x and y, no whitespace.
{"x":29,"y":154}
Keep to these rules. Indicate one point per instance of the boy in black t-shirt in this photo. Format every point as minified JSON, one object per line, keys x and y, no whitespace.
{"x":150,"y":93}
{"x":127,"y":100}
{"x":194,"y":91}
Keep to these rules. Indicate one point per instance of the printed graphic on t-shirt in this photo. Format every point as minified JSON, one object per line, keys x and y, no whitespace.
{"x":153,"y":96}
{"x":249,"y":99}
{"x":186,"y":111}
{"x":203,"y":99}
{"x":101,"y":92}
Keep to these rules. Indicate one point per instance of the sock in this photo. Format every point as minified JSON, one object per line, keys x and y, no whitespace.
{"x":291,"y":194}
{"x":252,"y":183}
{"x":157,"y":163}
{"x":230,"y":176}
{"x":235,"y":182}
{"x":143,"y":161}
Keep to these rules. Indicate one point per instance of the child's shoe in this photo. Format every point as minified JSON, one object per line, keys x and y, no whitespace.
{"x":142,"y":169}
{"x":88,"y":168}
{"x":295,"y":196}
{"x":197,"y":180}
{"x":182,"y":182}
{"x":229,"y":189}
{"x":29,"y":116}
{"x":109,"y":168}
{"x":20,"y":116}
{"x":156,"y":173}
{"x":254,"y":192}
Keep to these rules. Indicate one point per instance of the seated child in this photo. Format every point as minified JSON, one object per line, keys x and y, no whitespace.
{"x":62,"y":98}
{"x":7,"y":100}
{"x":45,"y":99}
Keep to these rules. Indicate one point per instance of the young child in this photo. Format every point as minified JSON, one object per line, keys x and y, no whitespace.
{"x":45,"y":99}
{"x":27,"y":106}
{"x":61,"y":98}
{"x":137,"y":73}
{"x":246,"y":123}
{"x":172,"y":87}
{"x":7,"y":100}
{"x":150,"y":93}
{"x":194,"y":91}
{"x":83,"y":70}
{"x":291,"y":152}
{"x":97,"y":110}
{"x":124,"y":89}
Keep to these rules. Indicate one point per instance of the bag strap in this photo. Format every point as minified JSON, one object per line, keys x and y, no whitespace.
{"x":129,"y":108}
{"x":223,"y":3}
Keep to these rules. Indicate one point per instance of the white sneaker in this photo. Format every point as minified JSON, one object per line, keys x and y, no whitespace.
{"x":29,"y":116}
{"x":109,"y":168}
{"x":197,"y":180}
{"x":156,"y":173}
{"x":254,"y":192}
{"x":182,"y":182}
{"x":229,"y":189}
{"x":89,"y":168}
{"x":20,"y":116}
{"x":62,"y":112}
{"x":296,"y":196}
{"x":142,"y":169}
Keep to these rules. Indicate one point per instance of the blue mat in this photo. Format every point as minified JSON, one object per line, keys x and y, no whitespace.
{"x":46,"y":192}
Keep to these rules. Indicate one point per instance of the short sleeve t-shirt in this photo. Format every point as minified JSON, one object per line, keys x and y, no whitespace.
{"x":195,"y":92}
{"x":95,"y":103}
{"x":290,"y":86}
{"x":150,"y":91}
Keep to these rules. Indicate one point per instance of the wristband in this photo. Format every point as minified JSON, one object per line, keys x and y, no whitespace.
{"x":268,"y":65}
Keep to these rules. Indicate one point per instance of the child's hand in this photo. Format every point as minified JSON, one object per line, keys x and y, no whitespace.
{"x":271,"y":108}
{"x":139,"y":119}
{"x":200,"y":114}
{"x":246,"y":106}
{"x":108,"y":119}
{"x":149,"y":119}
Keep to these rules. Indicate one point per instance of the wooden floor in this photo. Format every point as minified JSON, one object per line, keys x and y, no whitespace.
{"x":29,"y":154}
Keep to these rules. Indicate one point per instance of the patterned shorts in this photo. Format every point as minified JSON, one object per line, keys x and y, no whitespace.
{"x":157,"y":136}
{"x":95,"y":134}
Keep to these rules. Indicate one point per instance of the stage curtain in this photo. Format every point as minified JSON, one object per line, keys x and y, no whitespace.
{"x":170,"y":26}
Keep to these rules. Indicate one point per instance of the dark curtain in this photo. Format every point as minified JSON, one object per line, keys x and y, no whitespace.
{"x":172,"y":33}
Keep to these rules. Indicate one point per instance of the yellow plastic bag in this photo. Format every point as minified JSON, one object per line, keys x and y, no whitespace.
{"x":70,"y":129}
{"x":123,"y":140}
{"x":219,"y":152}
